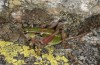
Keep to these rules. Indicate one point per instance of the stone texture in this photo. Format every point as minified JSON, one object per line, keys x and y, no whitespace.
{"x":78,"y":15}
{"x":81,"y":7}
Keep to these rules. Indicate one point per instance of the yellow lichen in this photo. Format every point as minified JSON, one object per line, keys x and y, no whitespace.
{"x":58,"y":58}
{"x":51,"y":58}
{"x":19,"y":62}
{"x":11,"y":50}
{"x":28,"y":52}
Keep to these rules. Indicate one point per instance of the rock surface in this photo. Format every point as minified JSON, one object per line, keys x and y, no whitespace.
{"x":81,"y":7}
{"x":79,"y":16}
